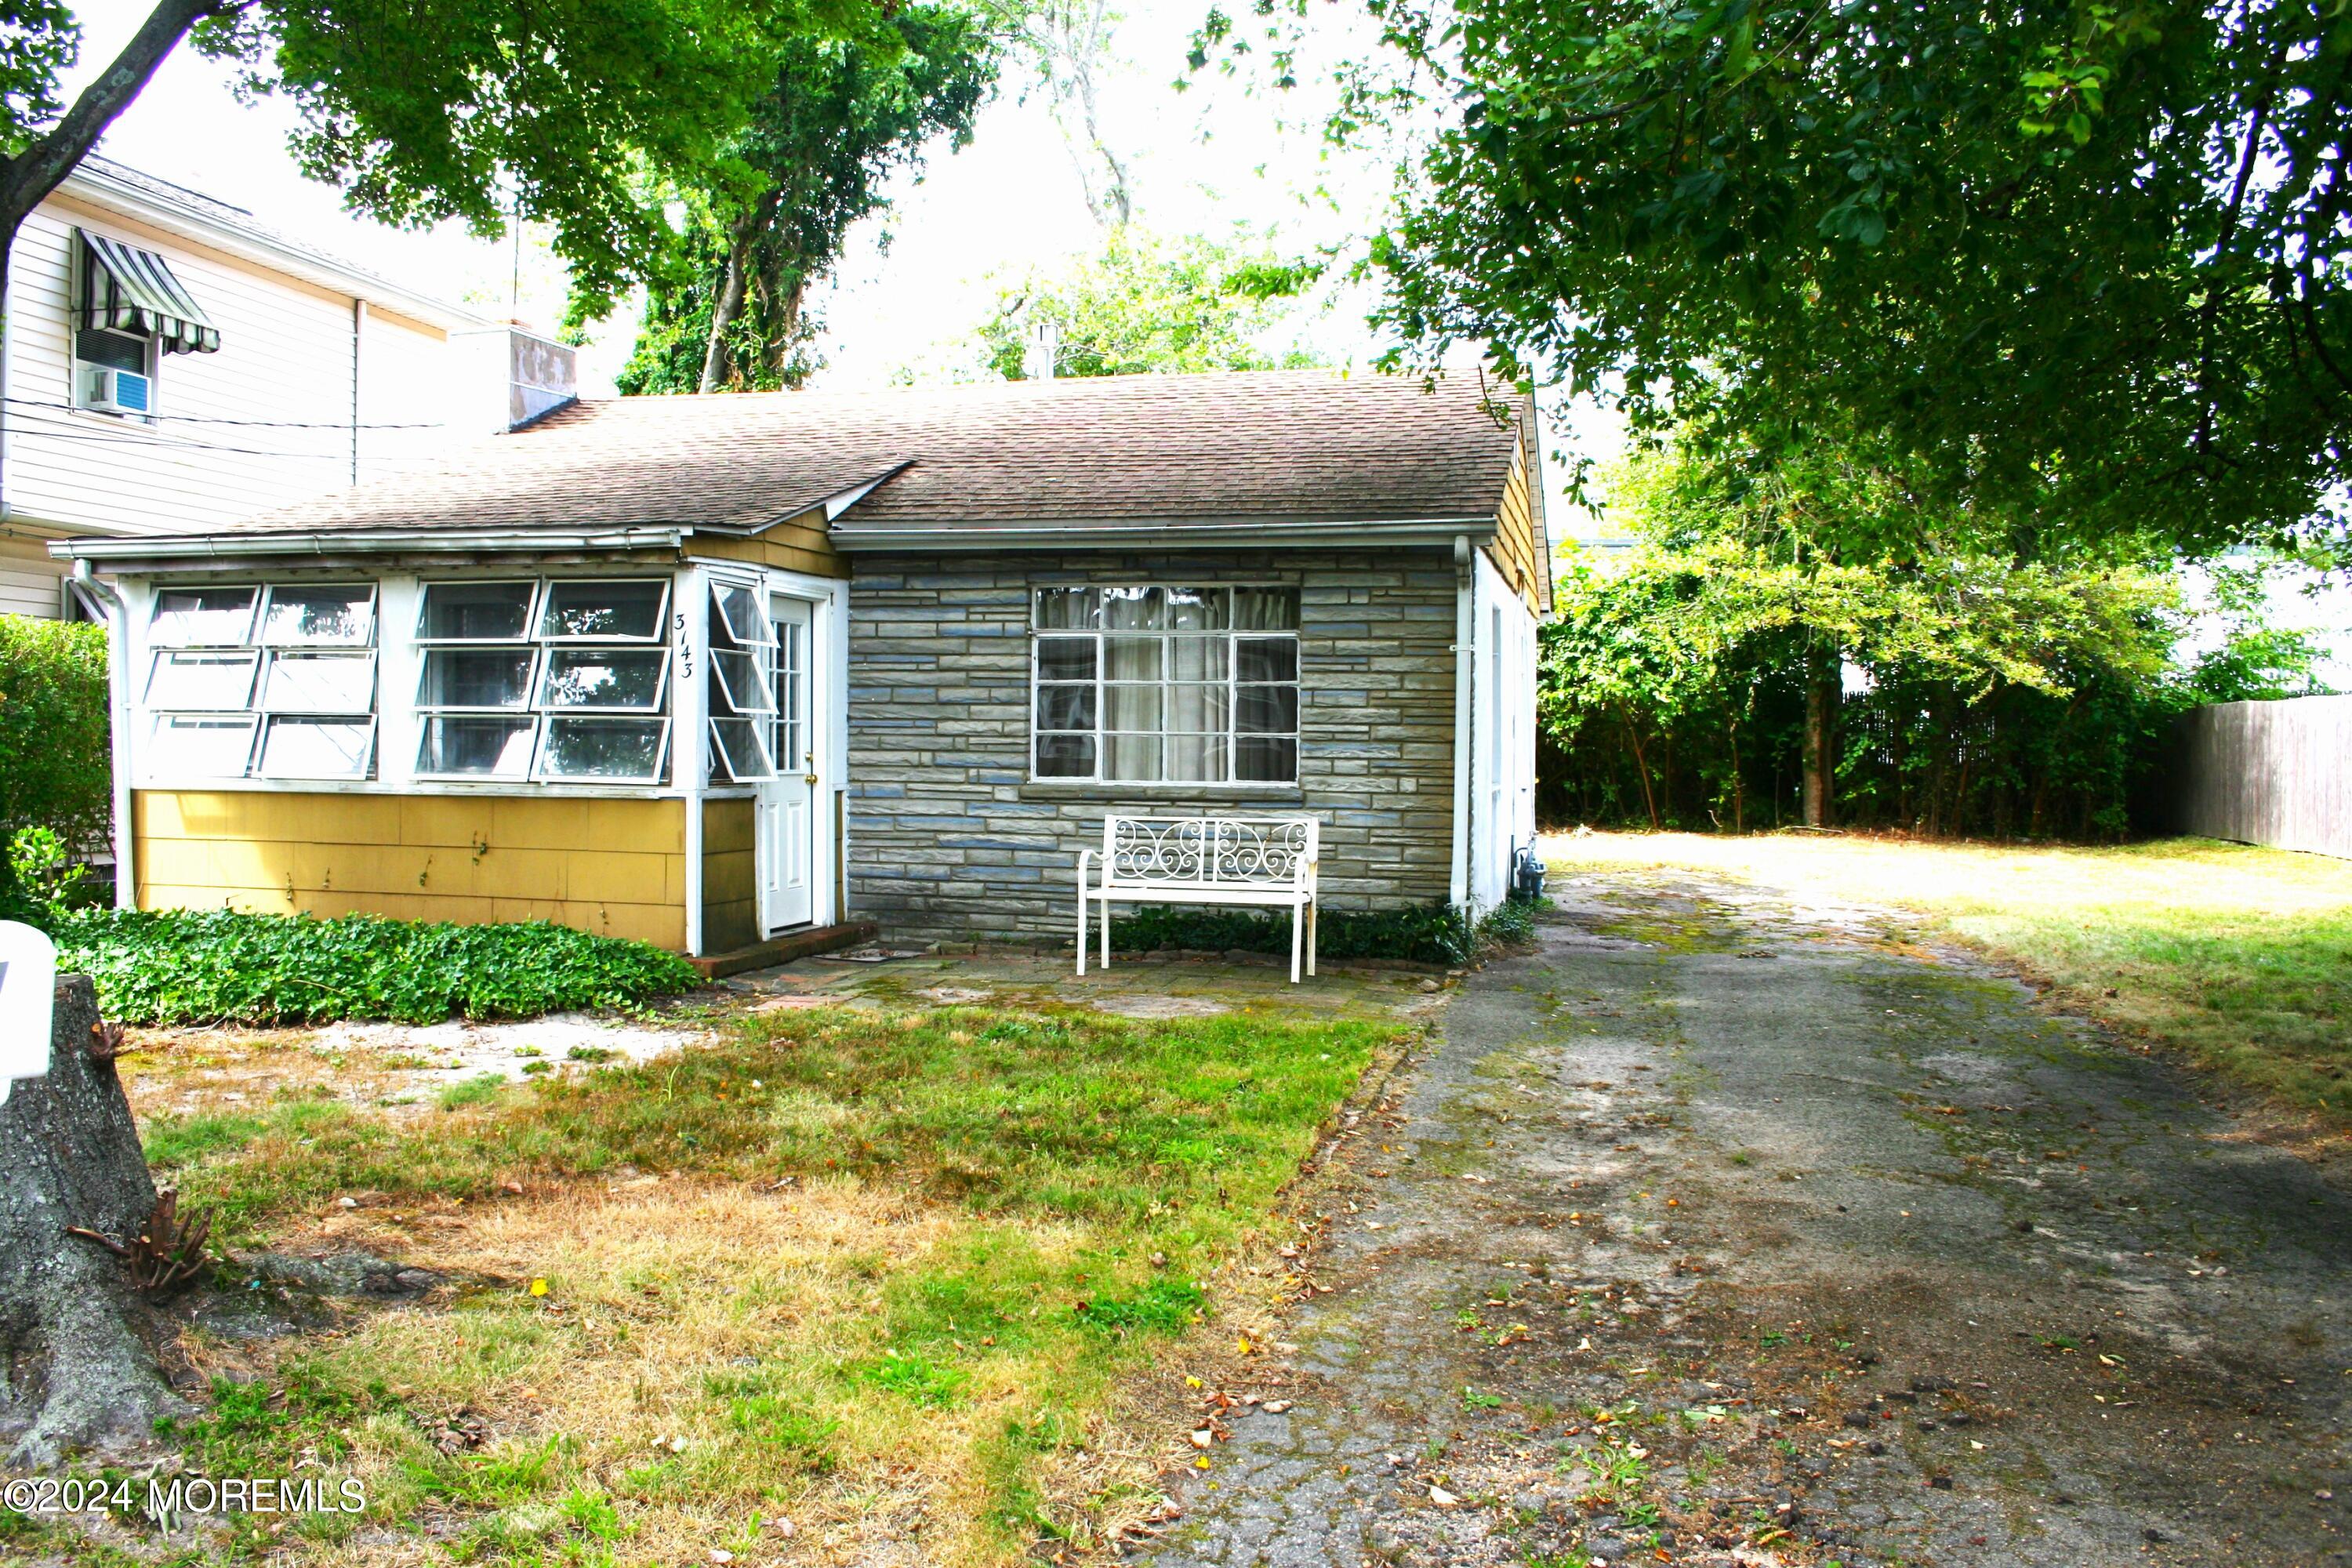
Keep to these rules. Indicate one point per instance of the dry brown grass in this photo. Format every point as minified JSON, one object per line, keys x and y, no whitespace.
{"x":910,"y":1280}
{"x":655,"y":1289}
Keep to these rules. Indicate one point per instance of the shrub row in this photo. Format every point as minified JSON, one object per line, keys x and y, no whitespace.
{"x":1434,"y":933}
{"x":206,"y":966}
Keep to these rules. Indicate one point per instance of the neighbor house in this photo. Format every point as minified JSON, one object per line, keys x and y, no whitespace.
{"x":173,"y":364}
{"x":710,"y":672}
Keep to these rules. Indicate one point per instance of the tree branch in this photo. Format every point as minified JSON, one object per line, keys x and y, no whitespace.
{"x":26,"y":179}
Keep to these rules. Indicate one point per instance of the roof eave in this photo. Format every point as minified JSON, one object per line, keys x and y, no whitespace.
{"x":130,"y":554}
{"x":100,"y":188}
{"x":1126,"y":532}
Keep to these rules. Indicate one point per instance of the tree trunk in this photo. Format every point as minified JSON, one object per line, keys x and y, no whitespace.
{"x":82,"y":1373}
{"x":1641,"y":767}
{"x":724,"y":308}
{"x":1821,"y":694}
{"x":733,"y":281}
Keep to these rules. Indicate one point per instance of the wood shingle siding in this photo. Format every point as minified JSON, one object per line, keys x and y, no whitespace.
{"x":730,"y":892}
{"x":614,"y":867}
{"x":948,"y":838}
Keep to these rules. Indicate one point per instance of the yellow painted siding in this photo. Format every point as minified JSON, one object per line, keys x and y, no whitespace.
{"x":802,"y":543}
{"x":616,"y":867}
{"x":730,"y":894}
{"x":1519,"y":551}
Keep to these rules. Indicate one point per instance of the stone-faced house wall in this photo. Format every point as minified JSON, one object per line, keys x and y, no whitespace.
{"x":950,"y":838}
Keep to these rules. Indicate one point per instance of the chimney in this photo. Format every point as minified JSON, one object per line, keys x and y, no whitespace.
{"x":515,"y":374}
{"x":1043,"y":353}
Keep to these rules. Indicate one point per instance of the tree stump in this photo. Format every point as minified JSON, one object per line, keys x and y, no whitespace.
{"x":82,"y":1375}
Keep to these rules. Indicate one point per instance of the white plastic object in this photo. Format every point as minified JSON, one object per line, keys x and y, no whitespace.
{"x":29,"y":980}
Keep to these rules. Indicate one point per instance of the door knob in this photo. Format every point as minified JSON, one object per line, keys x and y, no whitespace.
{"x":808,"y":778}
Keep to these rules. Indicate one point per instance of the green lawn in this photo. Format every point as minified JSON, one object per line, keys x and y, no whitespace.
{"x":2237,"y":957}
{"x":881,"y":1273}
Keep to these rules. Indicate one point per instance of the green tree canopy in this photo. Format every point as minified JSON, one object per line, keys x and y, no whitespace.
{"x":840,"y":117}
{"x":1153,"y":305}
{"x":443,"y":109}
{"x":2086,"y":261}
{"x":1966,"y":689}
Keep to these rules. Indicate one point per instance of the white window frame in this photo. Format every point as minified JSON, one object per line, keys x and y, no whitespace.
{"x":523,"y":638}
{"x":544,"y":601}
{"x":161,"y":655}
{"x":256,"y":763}
{"x":761,"y":714}
{"x":540,"y":717}
{"x":252,"y":614}
{"x":256,"y":715}
{"x":540,"y":773}
{"x":259,"y":633}
{"x":1101,"y":734}
{"x":78,"y":375}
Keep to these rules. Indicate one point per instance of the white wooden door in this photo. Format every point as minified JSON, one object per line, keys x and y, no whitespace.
{"x":787,"y":809}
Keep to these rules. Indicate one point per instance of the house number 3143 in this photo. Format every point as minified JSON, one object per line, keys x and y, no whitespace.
{"x":685,"y":653}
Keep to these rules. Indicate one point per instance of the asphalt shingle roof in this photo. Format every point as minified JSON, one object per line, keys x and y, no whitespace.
{"x":1276,"y":445}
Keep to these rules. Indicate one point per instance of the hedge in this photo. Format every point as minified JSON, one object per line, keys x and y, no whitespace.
{"x":55,"y":762}
{"x":209,"y":967}
{"x":1433,"y":933}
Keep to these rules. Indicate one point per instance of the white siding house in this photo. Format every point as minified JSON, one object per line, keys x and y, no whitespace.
{"x":261,"y":374}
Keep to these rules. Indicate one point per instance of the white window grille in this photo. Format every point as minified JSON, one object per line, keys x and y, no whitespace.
{"x":1165,"y":685}
{"x":564,"y":680}
{"x":270,"y":681}
{"x":745,"y":740}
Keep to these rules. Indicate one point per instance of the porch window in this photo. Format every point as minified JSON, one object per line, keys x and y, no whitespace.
{"x":267,"y":681}
{"x":564,"y":681}
{"x":746,"y":730}
{"x":1166,"y":685}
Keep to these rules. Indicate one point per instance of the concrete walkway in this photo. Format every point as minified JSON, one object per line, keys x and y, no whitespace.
{"x":1721,"y":1230}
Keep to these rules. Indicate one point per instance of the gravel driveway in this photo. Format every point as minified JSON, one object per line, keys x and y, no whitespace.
{"x":1720,"y":1229}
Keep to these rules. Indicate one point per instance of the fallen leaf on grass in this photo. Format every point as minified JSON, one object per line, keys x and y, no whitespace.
{"x":1443,"y":1498}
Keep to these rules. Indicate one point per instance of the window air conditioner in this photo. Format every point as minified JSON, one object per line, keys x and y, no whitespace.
{"x":118,"y":391}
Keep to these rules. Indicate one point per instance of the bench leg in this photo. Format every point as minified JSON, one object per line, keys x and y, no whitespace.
{"x":1297,"y":935}
{"x":1311,"y":912}
{"x":1082,"y":921}
{"x":1105,"y":902}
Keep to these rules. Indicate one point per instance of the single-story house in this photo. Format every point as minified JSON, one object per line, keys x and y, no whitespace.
{"x":710,"y":670}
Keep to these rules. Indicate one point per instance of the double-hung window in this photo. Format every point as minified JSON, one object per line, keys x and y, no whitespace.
{"x":1166,"y":685}
{"x":564,"y":680}
{"x":274,"y":682}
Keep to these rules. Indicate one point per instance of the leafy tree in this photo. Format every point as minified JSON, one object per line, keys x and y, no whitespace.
{"x":1993,"y":694}
{"x":1153,"y":305}
{"x":841,"y":117}
{"x":2086,"y":261}
{"x":444,"y":109}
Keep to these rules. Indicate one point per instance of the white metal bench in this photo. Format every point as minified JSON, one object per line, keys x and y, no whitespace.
{"x":1265,"y":862}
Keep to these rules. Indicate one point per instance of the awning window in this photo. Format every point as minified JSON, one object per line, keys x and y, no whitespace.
{"x":131,"y":291}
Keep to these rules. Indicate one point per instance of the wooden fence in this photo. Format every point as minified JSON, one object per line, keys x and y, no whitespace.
{"x":2268,"y":772}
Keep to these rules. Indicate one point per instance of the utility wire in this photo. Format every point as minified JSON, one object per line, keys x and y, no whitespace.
{"x":259,"y":424}
{"x":103,"y":438}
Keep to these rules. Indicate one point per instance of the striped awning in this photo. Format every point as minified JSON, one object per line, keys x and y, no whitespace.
{"x":132,"y":290}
